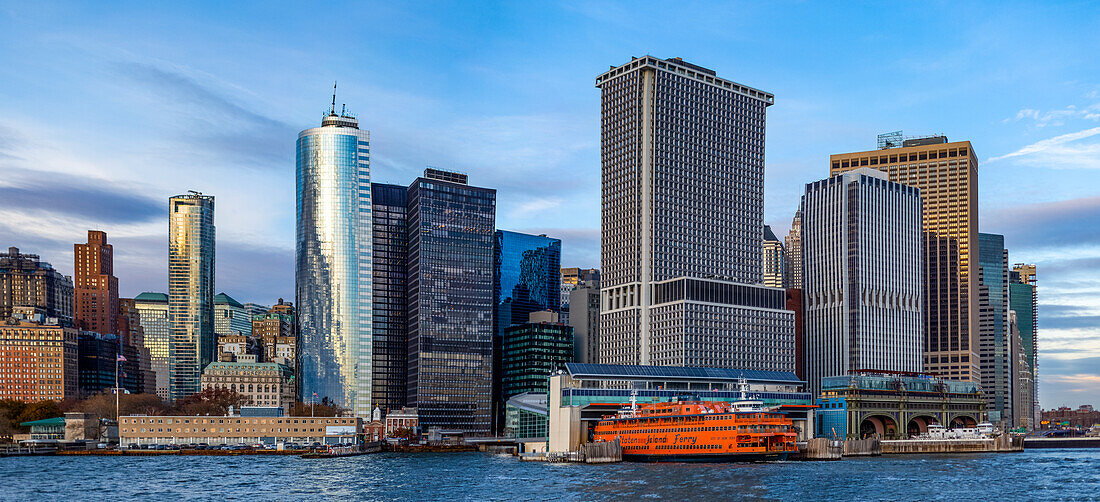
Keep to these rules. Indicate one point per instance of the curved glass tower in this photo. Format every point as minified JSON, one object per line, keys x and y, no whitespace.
{"x":333,"y":274}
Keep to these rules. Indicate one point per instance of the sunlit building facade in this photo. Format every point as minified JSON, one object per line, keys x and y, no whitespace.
{"x":152,"y":309}
{"x":947,"y":175}
{"x":333,"y":263}
{"x":190,"y":289}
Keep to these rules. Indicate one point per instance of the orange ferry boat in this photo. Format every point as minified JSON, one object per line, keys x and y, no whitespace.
{"x":700,"y":431}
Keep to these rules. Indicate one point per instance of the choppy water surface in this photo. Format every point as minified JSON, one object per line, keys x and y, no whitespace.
{"x":1032,"y":475}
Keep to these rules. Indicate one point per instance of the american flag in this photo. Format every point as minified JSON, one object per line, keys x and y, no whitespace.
{"x":120,"y":358}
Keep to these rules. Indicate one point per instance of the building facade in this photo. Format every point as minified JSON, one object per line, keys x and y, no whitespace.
{"x":98,"y":362}
{"x":39,"y":361}
{"x":526,"y":277}
{"x":230,"y":317}
{"x":143,"y":430}
{"x":994,"y":340}
{"x":264,"y":384}
{"x":27,"y":281}
{"x":584,"y":317}
{"x":895,"y":406}
{"x":390,"y":310}
{"x":792,"y":244}
{"x":152,"y":309}
{"x":95,"y":289}
{"x":451,"y":228}
{"x":1023,"y":299}
{"x":681,"y":225}
{"x":861,"y":242}
{"x":774,"y":259}
{"x":947,"y":176}
{"x":132,"y":332}
{"x":571,"y":277}
{"x":333,"y":274}
{"x":190,"y":290}
{"x":1023,"y":387}
{"x":531,"y":351}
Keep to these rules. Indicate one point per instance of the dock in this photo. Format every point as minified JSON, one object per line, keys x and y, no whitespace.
{"x":1085,"y":442}
{"x":1004,"y":443}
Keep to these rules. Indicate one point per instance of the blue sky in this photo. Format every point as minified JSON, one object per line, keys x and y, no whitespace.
{"x":106,"y":112}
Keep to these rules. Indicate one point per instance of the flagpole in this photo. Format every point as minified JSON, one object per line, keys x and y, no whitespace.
{"x":116,"y":389}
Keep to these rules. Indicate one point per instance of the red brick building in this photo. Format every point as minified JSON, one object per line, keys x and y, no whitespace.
{"x":95,"y":286}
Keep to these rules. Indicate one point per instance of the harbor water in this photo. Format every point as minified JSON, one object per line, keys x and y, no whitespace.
{"x":1055,"y":474}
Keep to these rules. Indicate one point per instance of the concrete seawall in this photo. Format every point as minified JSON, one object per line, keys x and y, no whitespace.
{"x":862,"y":448}
{"x":1002,"y":443}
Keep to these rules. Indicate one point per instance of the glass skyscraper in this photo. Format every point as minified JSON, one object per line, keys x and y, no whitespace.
{"x":190,"y":289}
{"x":450,"y":290}
{"x":333,"y":263}
{"x":391,"y":346}
{"x":994,"y":342}
{"x":152,"y":310}
{"x":527,"y":276}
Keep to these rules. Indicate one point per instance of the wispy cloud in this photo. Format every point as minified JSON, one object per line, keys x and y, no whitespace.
{"x":1056,"y":117}
{"x":213,"y":122}
{"x":1054,"y":147}
{"x":535,"y":206}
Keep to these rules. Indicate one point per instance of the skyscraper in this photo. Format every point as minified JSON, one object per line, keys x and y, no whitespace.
{"x":792,"y":245}
{"x":152,"y":309}
{"x":1023,"y":299}
{"x":1023,"y":388}
{"x":861,"y":244}
{"x":773,"y":259}
{"x":190,"y":289}
{"x":947,"y":176}
{"x":96,"y":287}
{"x":527,"y":275}
{"x":450,"y":289}
{"x":27,"y":281}
{"x":333,"y":273}
{"x":391,"y":247}
{"x":682,"y":220}
{"x":994,"y":337}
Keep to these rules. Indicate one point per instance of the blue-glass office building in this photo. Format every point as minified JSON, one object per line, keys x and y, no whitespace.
{"x":451,"y":229}
{"x":527,"y":276}
{"x":334,"y":263}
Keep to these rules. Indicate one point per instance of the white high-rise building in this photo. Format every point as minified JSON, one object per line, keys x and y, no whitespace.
{"x":682,"y":222}
{"x":861,"y":245}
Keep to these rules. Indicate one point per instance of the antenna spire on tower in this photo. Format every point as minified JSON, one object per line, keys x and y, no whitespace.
{"x":332,"y":110}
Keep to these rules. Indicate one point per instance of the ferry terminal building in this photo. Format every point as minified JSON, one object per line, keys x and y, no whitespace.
{"x":582,"y":394}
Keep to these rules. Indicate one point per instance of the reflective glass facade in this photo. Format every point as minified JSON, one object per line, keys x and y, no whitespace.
{"x":153,"y":311}
{"x":450,"y":289}
{"x":333,"y":263}
{"x":391,"y":348}
{"x":190,"y":290}
{"x":994,"y":344}
{"x":527,"y":276}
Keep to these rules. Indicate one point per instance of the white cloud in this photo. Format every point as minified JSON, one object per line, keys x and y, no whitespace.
{"x":535,"y":206}
{"x":1057,"y":153}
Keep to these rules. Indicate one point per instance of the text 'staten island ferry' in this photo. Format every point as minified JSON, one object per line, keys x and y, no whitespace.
{"x":700,"y":431}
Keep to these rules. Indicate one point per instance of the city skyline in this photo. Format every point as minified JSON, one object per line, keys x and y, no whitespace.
{"x":1031,"y":112}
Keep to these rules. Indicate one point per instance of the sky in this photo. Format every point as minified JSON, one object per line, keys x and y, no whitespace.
{"x":108,"y":109}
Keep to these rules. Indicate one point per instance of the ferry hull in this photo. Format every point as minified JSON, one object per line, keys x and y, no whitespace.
{"x":708,"y":457}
